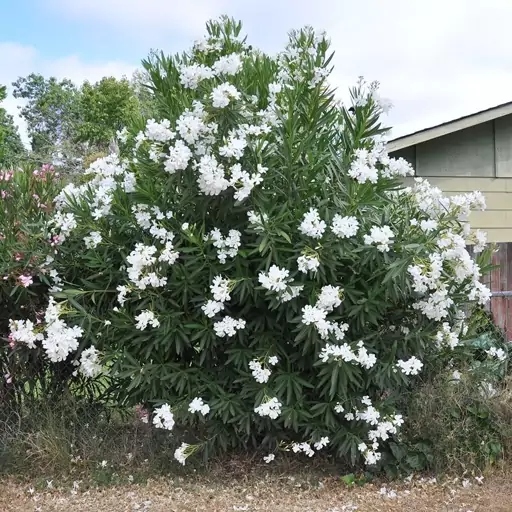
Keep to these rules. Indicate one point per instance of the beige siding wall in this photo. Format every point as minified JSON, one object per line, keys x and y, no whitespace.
{"x":469,"y":152}
{"x":477,"y":158}
{"x":497,"y":219}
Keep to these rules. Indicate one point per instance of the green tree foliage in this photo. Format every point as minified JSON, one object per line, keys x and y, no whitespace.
{"x":104,"y":108}
{"x":12,"y":150}
{"x":50,"y":111}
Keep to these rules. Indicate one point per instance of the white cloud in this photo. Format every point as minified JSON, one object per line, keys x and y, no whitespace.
{"x":18,"y":60}
{"x":436,"y":60}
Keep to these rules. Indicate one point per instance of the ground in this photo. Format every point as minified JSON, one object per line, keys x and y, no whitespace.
{"x":266,"y":493}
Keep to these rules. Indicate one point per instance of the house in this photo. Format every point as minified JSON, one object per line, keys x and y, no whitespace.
{"x":470,"y":153}
{"x":474,"y":153}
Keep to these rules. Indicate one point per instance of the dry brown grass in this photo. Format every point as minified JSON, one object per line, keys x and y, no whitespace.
{"x":264,"y":492}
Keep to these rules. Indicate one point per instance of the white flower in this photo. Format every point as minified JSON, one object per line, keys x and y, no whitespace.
{"x":122,"y":135}
{"x":411,"y":366}
{"x":269,"y":458}
{"x":324,"y":441}
{"x":344,"y":227}
{"x":92,"y":240}
{"x":429,"y":225}
{"x":329,"y":298}
{"x":223,"y":94}
{"x":498,"y":353}
{"x":338,"y":408}
{"x":197,"y":405}
{"x":379,"y":236}
{"x":89,"y":363}
{"x":363,"y":168}
{"x":234,"y":148}
{"x":145,"y":318}
{"x":273,"y":360}
{"x":22,"y":331}
{"x":275,"y":279}
{"x":303,"y":447}
{"x":59,"y":340}
{"x":271,"y":408}
{"x":191,"y":76}
{"x":164,"y":418}
{"x":220,"y":289}
{"x":312,"y":225}
{"x":257,"y":220}
{"x":228,"y":65}
{"x":180,"y":453}
{"x":179,"y":157}
{"x":159,"y":131}
{"x":259,"y":373}
{"x":212,"y":307}
{"x":228,"y":327}
{"x":226,"y":246}
{"x":308,"y":264}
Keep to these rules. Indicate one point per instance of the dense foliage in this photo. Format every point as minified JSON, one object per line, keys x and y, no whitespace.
{"x":252,"y":266}
{"x":12,"y":150}
{"x":67,"y":123}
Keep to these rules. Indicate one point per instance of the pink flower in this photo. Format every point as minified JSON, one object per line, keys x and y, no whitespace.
{"x":26,"y":281}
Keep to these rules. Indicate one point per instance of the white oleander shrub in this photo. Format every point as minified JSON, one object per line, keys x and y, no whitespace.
{"x":251,"y":266}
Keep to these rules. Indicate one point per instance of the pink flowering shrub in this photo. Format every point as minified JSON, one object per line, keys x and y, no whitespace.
{"x":252,"y":268}
{"x":26,"y":249}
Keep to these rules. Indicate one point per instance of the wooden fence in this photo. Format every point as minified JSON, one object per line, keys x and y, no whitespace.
{"x":500,"y":281}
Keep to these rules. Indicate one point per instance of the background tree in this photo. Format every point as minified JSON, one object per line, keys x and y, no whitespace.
{"x":50,"y":112}
{"x":104,"y":108}
{"x":12,"y":149}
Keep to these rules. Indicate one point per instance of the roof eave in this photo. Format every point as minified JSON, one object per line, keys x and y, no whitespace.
{"x":449,"y":127}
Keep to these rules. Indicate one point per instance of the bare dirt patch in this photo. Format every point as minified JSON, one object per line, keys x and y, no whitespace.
{"x":265,"y":493}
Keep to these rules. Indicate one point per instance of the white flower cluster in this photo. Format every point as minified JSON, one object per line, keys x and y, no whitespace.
{"x":192,"y":75}
{"x":312,"y":225}
{"x":345,"y":353}
{"x":89,"y":363}
{"x":411,"y":366}
{"x":142,"y":260}
{"x":93,"y":240}
{"x":270,"y":408}
{"x":367,"y":163}
{"x":145,"y":318}
{"x":164,"y":418}
{"x":450,"y":264}
{"x":228,"y":326}
{"x":384,"y":428}
{"x":257,"y":221}
{"x":198,"y":405}
{"x":381,"y":236}
{"x":344,"y":227}
{"x":223,"y":94}
{"x":446,"y":336}
{"x":329,"y":298}
{"x":307,"y":263}
{"x":220,"y":289}
{"x":65,"y":223}
{"x":498,"y":353}
{"x":259,"y":373}
{"x":180,"y":454}
{"x":150,"y":220}
{"x":58,"y":340}
{"x":22,"y":331}
{"x":109,"y":173}
{"x":277,"y":280}
{"x":226,"y":246}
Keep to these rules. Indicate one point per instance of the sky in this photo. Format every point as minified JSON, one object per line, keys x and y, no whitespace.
{"x":436,"y":60}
